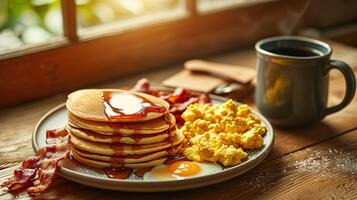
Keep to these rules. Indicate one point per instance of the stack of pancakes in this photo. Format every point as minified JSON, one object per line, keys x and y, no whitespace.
{"x":135,"y":142}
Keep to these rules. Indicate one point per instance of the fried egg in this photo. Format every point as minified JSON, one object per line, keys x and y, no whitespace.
{"x":181,"y":170}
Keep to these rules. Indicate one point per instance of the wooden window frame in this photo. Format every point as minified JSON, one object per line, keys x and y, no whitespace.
{"x":75,"y":62}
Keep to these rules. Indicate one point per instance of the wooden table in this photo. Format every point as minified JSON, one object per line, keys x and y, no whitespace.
{"x":313,"y":162}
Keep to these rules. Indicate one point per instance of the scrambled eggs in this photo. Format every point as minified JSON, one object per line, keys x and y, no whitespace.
{"x":220,"y":133}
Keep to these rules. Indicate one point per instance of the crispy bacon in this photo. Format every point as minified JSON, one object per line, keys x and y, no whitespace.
{"x":179,"y":99}
{"x":48,"y":168}
{"x":54,"y":136}
{"x":55,"y":133}
{"x":180,"y":95}
{"x":142,"y":85}
{"x":39,"y":171}
{"x":23,"y":176}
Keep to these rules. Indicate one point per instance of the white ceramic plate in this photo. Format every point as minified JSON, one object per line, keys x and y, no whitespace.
{"x":74,"y":171}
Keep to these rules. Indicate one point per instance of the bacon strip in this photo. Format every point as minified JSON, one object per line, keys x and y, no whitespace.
{"x":23,"y":176}
{"x":54,"y":136}
{"x":55,"y":133}
{"x":51,"y":156}
{"x":39,"y":171}
{"x":179,"y":99}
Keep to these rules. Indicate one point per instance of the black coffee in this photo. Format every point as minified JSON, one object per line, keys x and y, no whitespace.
{"x":294,"y":52}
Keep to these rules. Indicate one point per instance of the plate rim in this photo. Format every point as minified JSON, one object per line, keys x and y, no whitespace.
{"x":227,"y":173}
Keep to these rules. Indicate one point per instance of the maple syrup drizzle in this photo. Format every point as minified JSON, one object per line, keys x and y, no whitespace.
{"x":137,"y":138}
{"x":120,"y":159}
{"x":136,"y":147}
{"x":116,"y":126}
{"x":124,"y":172}
{"x":116,"y":138}
{"x":173,"y":149}
{"x":117,"y":160}
{"x":121,"y":105}
{"x":170,"y":139}
{"x":175,"y":157}
{"x":168,"y":120}
{"x":118,"y":150}
{"x":118,"y":173}
{"x":141,"y":171}
{"x":136,"y":127}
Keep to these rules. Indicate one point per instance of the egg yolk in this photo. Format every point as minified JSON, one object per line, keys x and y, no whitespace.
{"x":184,"y":168}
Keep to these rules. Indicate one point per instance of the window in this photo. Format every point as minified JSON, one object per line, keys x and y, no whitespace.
{"x":108,"y":16}
{"x":24,"y":23}
{"x":49,"y":46}
{"x":216,"y":5}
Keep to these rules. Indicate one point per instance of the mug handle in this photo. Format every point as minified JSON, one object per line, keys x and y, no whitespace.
{"x":350,"y":79}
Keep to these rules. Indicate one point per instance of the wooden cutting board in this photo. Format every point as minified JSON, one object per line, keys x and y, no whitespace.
{"x":204,"y":76}
{"x":193,"y":81}
{"x":232,"y":73}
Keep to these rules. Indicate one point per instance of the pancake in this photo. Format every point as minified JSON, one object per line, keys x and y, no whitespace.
{"x":113,"y":149}
{"x":117,"y":138}
{"x":121,"y":159}
{"x":88,"y":104}
{"x":126,"y":129}
{"x":101,"y":164}
{"x":128,"y":158}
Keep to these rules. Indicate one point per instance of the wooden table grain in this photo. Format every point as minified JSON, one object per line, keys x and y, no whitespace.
{"x":318,"y":161}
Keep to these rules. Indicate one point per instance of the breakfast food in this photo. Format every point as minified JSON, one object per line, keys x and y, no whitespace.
{"x":103,"y":136}
{"x":178,"y":100}
{"x":38,"y":172}
{"x":120,"y":128}
{"x":220,"y":133}
{"x":115,"y":106}
{"x":181,"y":170}
{"x":134,"y":133}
